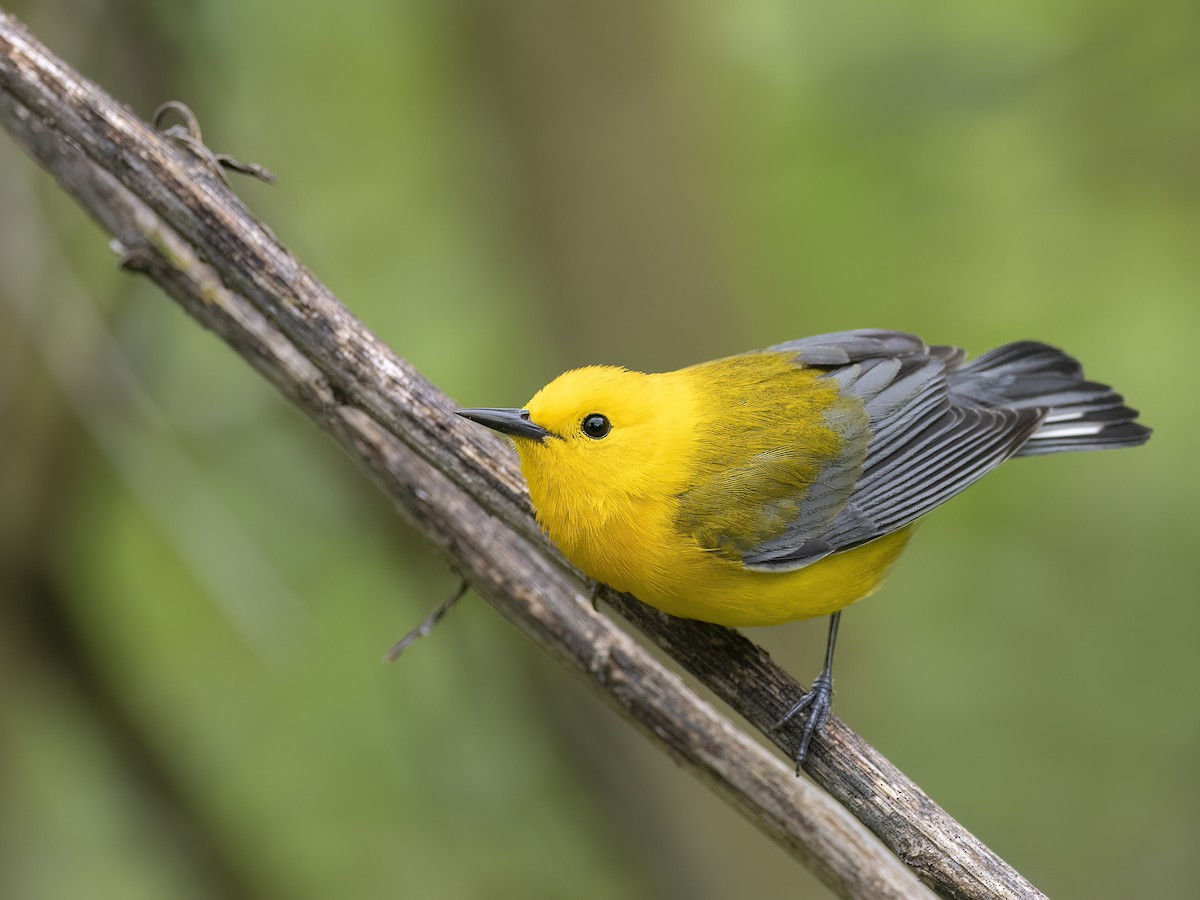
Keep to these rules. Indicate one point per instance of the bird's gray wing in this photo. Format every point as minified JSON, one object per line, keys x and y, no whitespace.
{"x":923,"y":445}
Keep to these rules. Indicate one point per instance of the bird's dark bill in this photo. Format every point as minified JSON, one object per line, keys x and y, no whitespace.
{"x":514,"y":422}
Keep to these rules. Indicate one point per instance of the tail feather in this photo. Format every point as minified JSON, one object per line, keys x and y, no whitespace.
{"x":1079,"y":414}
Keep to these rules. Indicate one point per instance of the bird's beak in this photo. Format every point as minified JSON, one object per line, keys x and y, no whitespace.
{"x":515,"y":422}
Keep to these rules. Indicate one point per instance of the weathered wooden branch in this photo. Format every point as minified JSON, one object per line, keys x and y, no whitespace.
{"x":174,"y":219}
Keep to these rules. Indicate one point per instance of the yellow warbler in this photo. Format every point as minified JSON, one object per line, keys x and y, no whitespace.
{"x":783,"y":483}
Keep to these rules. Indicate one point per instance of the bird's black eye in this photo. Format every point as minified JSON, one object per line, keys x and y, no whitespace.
{"x":596,"y":426}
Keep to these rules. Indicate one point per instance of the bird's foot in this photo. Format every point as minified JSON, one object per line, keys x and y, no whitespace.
{"x":818,"y":701}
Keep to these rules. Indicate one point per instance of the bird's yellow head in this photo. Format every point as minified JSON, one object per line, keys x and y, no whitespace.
{"x":589,"y":444}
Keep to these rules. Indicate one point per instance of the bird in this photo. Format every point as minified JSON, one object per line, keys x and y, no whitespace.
{"x":783,"y":483}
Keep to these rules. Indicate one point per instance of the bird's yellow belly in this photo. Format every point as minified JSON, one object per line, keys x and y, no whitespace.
{"x":698,"y":585}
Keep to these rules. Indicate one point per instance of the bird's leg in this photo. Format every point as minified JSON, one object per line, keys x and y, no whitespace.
{"x":594,"y":589}
{"x":818,"y":701}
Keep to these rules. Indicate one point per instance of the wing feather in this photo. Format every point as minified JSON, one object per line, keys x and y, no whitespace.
{"x":915,"y":426}
{"x":925,"y":444}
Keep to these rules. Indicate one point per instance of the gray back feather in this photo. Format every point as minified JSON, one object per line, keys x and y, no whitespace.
{"x":935,"y":427}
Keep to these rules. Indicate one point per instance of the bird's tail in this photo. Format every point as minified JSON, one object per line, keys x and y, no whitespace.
{"x":1081,"y":414}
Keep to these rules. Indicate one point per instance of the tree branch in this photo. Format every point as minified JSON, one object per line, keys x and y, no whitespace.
{"x":175,"y":220}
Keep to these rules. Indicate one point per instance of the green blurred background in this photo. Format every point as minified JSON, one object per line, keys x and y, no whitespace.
{"x":196,"y":587}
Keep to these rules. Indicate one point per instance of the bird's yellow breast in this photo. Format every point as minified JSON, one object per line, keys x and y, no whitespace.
{"x":647,"y":510}
{"x":642,"y":553}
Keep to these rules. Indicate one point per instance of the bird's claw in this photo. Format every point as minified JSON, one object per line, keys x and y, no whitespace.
{"x":818,"y":701}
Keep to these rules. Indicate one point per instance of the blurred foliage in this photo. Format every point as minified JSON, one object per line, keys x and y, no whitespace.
{"x":196,"y":587}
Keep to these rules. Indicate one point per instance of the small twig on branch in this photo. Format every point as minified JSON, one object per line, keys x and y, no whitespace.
{"x":175,"y":220}
{"x":189,"y":135}
{"x":428,"y":623}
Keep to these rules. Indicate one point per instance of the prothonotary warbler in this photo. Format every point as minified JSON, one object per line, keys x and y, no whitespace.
{"x":782,"y":484}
